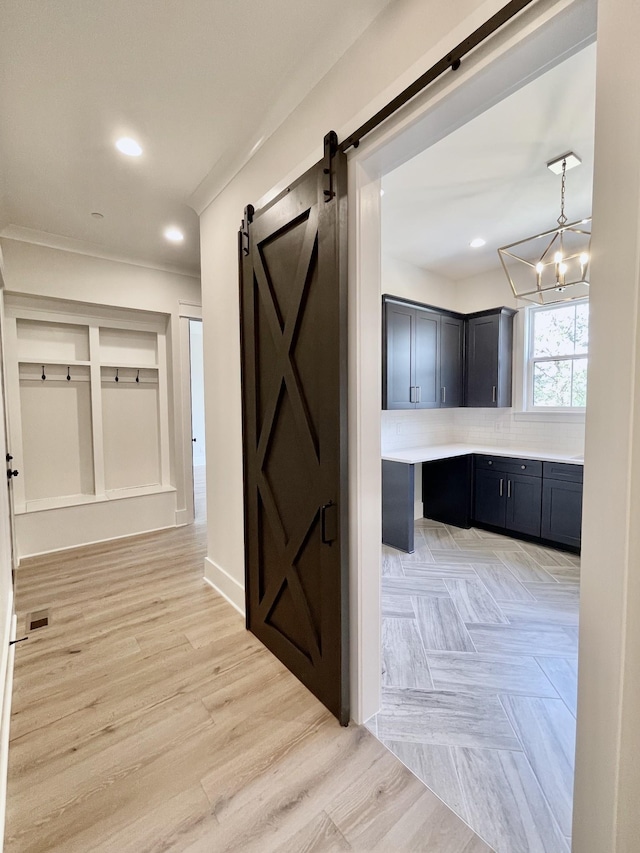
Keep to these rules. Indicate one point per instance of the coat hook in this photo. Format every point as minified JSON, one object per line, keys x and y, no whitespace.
{"x":138,"y":376}
{"x":43,"y":377}
{"x":68,"y":375}
{"x":117,"y":380}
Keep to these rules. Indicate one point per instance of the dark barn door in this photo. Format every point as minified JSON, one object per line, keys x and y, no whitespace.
{"x":294,"y":374}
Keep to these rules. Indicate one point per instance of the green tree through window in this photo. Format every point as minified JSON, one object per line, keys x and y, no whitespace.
{"x":558,"y":354}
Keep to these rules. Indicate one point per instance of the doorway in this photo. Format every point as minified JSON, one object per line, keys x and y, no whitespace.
{"x":198,"y":447}
{"x":413,"y":133}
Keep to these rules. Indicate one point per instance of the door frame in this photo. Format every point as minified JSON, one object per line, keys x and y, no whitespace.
{"x":188,"y":311}
{"x":541,"y":37}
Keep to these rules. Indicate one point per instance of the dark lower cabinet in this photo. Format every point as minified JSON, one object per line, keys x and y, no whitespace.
{"x":446,"y":490}
{"x":507,"y":497}
{"x":489,"y":500}
{"x":524,"y":500}
{"x":562,"y":512}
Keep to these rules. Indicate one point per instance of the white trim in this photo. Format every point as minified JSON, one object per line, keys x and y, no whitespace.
{"x":225,"y":585}
{"x":540,"y":38}
{"x":183,"y":518}
{"x":5,"y":720}
{"x":190,"y":310}
{"x":184,"y":406}
{"x":85,"y":247}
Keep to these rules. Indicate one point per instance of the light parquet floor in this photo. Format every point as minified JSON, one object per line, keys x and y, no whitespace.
{"x":479,"y":647}
{"x":145,"y":718}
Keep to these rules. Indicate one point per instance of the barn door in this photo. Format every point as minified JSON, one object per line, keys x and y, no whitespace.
{"x":294,"y":373}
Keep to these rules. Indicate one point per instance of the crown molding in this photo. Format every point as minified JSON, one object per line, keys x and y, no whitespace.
{"x":85,"y":247}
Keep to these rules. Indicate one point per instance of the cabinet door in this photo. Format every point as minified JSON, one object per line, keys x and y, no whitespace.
{"x":482,"y":361}
{"x":427,"y":361}
{"x":524,"y":504}
{"x":451,"y":338}
{"x":489,"y":497}
{"x":398,"y":344}
{"x":562,"y":512}
{"x":446,"y":490}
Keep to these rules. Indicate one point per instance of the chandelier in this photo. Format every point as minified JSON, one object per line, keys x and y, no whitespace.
{"x":552,"y":266}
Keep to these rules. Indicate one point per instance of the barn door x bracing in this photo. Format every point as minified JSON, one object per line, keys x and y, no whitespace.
{"x":294,"y":373}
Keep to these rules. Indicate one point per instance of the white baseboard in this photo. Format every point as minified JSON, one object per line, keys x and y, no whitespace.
{"x":222,"y":582}
{"x":96,"y":542}
{"x":183,"y":517}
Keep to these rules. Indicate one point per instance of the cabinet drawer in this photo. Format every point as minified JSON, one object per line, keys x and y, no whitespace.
{"x":563,"y":471}
{"x":509,"y":465}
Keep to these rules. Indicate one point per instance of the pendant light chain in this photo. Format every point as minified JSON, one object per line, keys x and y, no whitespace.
{"x":562,"y":219}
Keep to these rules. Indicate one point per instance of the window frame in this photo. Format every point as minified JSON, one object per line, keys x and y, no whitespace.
{"x":530,"y":360}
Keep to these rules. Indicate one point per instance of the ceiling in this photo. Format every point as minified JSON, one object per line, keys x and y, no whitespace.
{"x":194,"y":81}
{"x":489,"y":178}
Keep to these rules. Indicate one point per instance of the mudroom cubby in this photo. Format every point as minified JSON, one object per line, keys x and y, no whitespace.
{"x":88,"y":403}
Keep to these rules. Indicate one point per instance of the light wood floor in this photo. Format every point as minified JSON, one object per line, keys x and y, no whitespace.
{"x":145,"y":718}
{"x":479,"y":637}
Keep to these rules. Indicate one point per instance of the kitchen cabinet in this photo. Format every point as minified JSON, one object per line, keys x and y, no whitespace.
{"x":488,"y":357}
{"x":422,"y":357}
{"x":451,"y":351}
{"x":446,"y":490}
{"x":562,"y":503}
{"x":508,"y":494}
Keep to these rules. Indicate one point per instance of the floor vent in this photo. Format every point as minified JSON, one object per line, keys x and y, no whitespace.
{"x":37,"y":619}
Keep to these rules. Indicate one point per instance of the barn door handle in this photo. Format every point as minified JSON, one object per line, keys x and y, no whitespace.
{"x":328,"y":522}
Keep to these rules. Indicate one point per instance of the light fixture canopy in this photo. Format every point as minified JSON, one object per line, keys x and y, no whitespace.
{"x":541,"y":268}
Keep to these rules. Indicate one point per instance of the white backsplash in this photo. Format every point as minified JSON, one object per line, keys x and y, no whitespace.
{"x":414,"y":428}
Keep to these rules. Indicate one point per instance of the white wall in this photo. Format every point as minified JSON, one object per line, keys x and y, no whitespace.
{"x":485,"y":290}
{"x":405,"y":40}
{"x":400,"y":278}
{"x":44,"y":271}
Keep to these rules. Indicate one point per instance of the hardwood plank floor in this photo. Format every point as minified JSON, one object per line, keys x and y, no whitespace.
{"x":145,"y":718}
{"x":491,"y":726}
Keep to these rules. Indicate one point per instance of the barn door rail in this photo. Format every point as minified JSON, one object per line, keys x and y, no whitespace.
{"x":451,"y":60}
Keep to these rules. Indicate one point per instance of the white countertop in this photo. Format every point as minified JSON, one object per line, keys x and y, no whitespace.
{"x":414,"y":455}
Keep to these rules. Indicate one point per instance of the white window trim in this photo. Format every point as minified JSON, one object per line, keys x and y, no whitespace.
{"x":524,"y":375}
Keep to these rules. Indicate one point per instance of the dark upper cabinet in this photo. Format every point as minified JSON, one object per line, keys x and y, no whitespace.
{"x":488,"y":356}
{"x":451,"y":350}
{"x":422,"y":357}
{"x":399,"y":347}
{"x":427,"y":359}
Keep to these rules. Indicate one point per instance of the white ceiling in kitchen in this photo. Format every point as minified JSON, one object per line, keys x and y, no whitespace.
{"x":489,"y":178}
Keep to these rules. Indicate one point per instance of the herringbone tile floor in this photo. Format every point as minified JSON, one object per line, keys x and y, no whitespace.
{"x":479,"y":636}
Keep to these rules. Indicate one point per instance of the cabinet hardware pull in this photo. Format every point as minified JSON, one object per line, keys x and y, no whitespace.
{"x":490,"y":462}
{"x":501,"y":486}
{"x":419,"y":391}
{"x":444,"y":394}
{"x":493,"y":394}
{"x":411,"y":400}
{"x":523,"y":467}
{"x":508,"y":488}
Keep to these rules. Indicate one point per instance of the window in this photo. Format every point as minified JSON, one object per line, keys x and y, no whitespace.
{"x":558,"y":355}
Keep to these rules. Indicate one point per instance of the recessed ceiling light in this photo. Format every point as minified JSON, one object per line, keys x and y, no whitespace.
{"x":174,"y":234}
{"x":129,"y":147}
{"x":477,"y":242}
{"x":97,"y":215}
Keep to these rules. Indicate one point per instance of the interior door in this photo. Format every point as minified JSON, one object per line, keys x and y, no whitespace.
{"x":293,"y":325}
